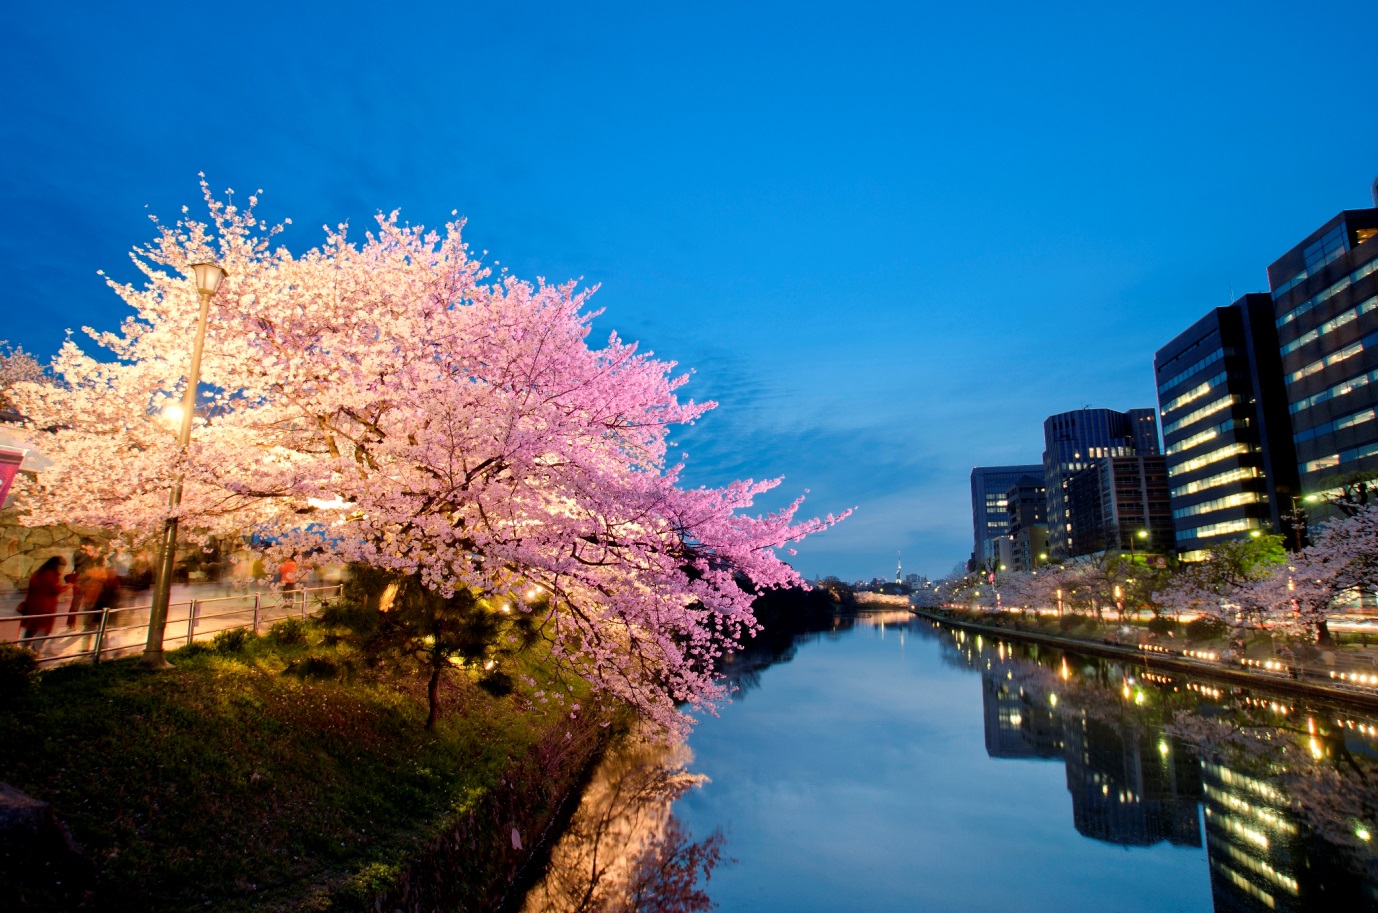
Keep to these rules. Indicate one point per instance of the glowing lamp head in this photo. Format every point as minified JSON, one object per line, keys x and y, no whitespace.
{"x":208,"y":277}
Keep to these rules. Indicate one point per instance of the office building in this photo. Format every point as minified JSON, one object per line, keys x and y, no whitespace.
{"x":989,"y":516}
{"x":1226,"y":430}
{"x":1074,"y":440}
{"x":1325,"y":309}
{"x":1120,"y":503}
{"x":1026,"y":510}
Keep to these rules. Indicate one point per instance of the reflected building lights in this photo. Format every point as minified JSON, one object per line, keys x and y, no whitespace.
{"x":1134,"y":784}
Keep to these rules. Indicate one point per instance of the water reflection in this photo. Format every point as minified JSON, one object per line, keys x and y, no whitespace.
{"x":1272,"y":795}
{"x":625,"y":850}
{"x":1282,"y":790}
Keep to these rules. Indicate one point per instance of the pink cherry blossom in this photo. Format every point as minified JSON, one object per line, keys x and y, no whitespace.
{"x":392,"y":402}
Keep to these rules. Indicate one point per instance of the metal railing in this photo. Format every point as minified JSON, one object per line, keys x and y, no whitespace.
{"x":123,"y":630}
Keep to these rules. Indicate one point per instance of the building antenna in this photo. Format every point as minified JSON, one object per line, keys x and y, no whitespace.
{"x":1231,"y":293}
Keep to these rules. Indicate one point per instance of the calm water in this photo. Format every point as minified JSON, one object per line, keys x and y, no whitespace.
{"x":893,"y":765}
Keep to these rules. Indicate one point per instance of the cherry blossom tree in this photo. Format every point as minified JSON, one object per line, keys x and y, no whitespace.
{"x":1025,"y":590}
{"x":1338,"y":568}
{"x":1224,"y":585}
{"x":396,"y":403}
{"x":16,"y":367}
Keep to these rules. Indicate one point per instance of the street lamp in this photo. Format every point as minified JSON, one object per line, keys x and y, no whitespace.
{"x":1138,"y":534}
{"x":208,"y":278}
{"x":1298,"y":514}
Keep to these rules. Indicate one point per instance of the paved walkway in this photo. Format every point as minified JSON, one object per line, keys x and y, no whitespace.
{"x":195,"y":612}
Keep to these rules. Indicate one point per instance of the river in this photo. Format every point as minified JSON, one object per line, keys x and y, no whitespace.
{"x":891,"y":764}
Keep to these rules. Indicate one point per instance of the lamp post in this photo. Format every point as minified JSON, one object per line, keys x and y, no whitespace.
{"x":1298,"y":514}
{"x":208,"y":278}
{"x":1138,"y":534}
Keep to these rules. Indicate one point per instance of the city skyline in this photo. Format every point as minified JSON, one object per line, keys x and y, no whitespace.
{"x":890,"y":243}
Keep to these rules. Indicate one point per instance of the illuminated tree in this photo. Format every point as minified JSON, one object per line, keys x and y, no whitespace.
{"x":1223,"y":585}
{"x":1339,"y":567}
{"x":394,"y":403}
{"x":16,"y":367}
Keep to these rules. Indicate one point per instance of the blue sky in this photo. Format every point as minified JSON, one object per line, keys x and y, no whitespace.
{"x":889,"y":238}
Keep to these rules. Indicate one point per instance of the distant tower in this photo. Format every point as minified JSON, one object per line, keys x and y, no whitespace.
{"x":899,"y":568}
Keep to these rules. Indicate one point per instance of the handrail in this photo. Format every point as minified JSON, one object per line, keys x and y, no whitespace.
{"x":101,"y":634}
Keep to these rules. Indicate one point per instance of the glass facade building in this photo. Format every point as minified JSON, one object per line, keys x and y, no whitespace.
{"x":1121,"y":503}
{"x":1026,"y":505}
{"x":1325,"y":309}
{"x":1226,"y":432}
{"x":1073,"y":441}
{"x":989,"y":509}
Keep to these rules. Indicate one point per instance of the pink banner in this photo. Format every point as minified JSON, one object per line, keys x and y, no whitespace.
{"x":9,"y":466}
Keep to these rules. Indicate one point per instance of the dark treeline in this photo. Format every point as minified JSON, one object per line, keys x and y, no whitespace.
{"x":788,"y":617}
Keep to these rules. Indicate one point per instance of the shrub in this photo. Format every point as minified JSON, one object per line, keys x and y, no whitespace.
{"x":1069,"y":622}
{"x":321,"y":668}
{"x":498,"y":684}
{"x":1162,"y":624}
{"x":1207,"y":627}
{"x":231,"y":641}
{"x":288,"y":633}
{"x":18,"y":667}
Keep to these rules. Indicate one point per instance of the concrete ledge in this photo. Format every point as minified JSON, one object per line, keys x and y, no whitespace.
{"x":1301,"y":687}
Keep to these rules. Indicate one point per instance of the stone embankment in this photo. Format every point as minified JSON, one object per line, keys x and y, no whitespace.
{"x":1211,"y":669}
{"x":24,"y":548}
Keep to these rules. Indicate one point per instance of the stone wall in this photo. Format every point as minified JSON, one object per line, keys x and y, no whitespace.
{"x":24,"y":548}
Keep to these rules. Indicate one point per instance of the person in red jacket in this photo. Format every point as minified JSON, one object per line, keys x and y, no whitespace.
{"x":39,"y":609}
{"x":287,"y":573}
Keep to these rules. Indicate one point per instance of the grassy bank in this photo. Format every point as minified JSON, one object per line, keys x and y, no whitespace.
{"x":274,"y":775}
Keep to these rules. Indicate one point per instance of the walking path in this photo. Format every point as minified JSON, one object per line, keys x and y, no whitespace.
{"x":195,"y":612}
{"x":1311,"y":681}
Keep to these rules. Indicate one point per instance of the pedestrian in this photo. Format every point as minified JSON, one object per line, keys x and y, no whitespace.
{"x":136,"y":583}
{"x":39,"y":608}
{"x":140,"y":576}
{"x":242,"y":573}
{"x":287,"y":573}
{"x":100,"y":587}
{"x":82,"y":560}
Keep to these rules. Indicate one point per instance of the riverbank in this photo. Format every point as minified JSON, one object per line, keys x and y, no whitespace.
{"x":1156,"y":659}
{"x":268,"y":774}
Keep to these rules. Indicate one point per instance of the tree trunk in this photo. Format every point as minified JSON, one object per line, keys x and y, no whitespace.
{"x":433,"y":697}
